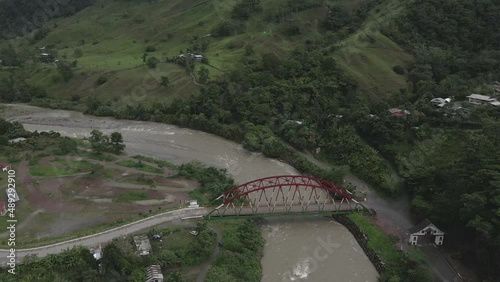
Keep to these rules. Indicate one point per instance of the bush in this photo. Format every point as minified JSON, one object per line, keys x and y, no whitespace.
{"x":399,"y":70}
{"x":150,"y":48}
{"x":228,"y":28}
{"x":165,"y":81}
{"x":152,"y":62}
{"x":65,"y":71}
{"x":78,"y":53}
{"x":101,"y":80}
{"x":40,"y":34}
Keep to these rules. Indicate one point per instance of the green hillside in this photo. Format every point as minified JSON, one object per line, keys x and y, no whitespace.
{"x":369,"y":56}
{"x":109,"y":39}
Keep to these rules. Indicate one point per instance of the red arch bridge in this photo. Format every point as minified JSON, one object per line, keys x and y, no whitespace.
{"x":285,"y":195}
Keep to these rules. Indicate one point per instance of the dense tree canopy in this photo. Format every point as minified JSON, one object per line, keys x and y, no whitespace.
{"x":19,"y":17}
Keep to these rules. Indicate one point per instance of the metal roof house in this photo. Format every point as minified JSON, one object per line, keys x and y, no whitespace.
{"x":426,"y":228}
{"x":154,"y":274}
{"x":197,"y":58}
{"x":440,"y":102}
{"x":478,"y":99}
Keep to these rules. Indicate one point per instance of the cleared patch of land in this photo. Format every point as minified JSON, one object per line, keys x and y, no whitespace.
{"x":62,"y":194}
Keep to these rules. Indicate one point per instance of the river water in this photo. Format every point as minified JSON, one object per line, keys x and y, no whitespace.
{"x":296,"y":249}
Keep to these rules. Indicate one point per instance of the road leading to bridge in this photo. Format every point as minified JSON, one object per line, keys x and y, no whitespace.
{"x":105,"y":236}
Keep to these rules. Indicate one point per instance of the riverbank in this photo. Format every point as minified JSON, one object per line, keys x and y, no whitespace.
{"x":183,"y":145}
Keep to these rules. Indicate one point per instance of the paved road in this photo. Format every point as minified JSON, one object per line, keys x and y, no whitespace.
{"x":105,"y":236}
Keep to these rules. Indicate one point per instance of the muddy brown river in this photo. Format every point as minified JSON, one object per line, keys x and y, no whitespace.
{"x":296,"y":249}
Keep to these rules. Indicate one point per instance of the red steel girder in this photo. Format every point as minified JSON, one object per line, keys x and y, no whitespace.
{"x":273,"y":182}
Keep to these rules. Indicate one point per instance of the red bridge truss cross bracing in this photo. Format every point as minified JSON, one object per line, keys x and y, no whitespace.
{"x":286,"y":194}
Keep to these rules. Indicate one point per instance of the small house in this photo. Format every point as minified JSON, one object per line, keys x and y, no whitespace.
{"x":143,"y":245}
{"x":46,"y":58}
{"x":440,"y":102}
{"x":193,"y":204}
{"x":197,"y":58}
{"x":426,"y":228}
{"x":477,"y":99}
{"x":154,"y":274}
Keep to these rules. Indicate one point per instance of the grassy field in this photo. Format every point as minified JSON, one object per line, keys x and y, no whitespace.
{"x":139,"y":165}
{"x":160,"y":163}
{"x":112,"y":37}
{"x":377,"y":241}
{"x":129,"y":197}
{"x":369,"y":56}
{"x":68,"y":168}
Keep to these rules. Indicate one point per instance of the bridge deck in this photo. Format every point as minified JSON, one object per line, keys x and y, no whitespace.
{"x":246,"y":211}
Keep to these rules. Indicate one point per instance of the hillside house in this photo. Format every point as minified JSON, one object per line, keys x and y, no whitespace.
{"x":46,"y":58}
{"x":154,"y":274}
{"x":426,"y":228}
{"x":440,"y":102}
{"x":478,"y":99}
{"x":143,"y":245}
{"x":197,"y":58}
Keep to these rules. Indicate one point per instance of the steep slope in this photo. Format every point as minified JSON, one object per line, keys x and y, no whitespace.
{"x":109,"y":39}
{"x":369,"y":56}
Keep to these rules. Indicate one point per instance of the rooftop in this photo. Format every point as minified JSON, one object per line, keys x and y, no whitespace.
{"x":395,"y":110}
{"x":142,"y":244}
{"x":154,"y":272}
{"x":480,"y":97}
{"x":421,"y":225}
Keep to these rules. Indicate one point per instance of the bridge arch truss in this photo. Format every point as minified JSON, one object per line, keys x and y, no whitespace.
{"x":285,"y":195}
